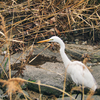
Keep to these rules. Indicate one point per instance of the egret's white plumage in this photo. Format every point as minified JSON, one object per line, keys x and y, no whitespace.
{"x":77,"y":70}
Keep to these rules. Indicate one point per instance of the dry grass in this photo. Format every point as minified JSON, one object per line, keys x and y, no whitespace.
{"x":22,"y":23}
{"x":90,"y":95}
{"x":12,"y":85}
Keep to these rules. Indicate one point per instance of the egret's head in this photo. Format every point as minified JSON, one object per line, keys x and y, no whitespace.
{"x":52,"y":39}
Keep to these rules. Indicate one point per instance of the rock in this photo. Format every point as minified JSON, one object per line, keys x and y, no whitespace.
{"x":94,"y":60}
{"x":49,"y":73}
{"x":66,"y":42}
{"x":94,"y":97}
{"x":2,"y":95}
{"x":1,"y":92}
{"x":84,"y":42}
{"x":89,"y":64}
{"x":76,"y":41}
{"x":76,"y":51}
{"x":20,"y":95}
{"x":52,"y":73}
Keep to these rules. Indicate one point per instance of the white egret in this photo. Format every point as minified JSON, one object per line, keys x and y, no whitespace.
{"x":77,"y":70}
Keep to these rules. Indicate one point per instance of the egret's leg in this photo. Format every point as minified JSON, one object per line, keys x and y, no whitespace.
{"x":78,"y":92}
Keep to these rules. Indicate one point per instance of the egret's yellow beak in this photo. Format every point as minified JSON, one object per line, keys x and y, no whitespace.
{"x":44,"y":41}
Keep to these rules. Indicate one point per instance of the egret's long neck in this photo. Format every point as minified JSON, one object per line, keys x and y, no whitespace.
{"x":65,"y":59}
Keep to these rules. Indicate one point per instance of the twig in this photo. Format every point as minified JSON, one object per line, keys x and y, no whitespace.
{"x":39,"y":53}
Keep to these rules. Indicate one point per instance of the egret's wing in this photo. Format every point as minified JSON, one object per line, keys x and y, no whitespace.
{"x":81,"y":75}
